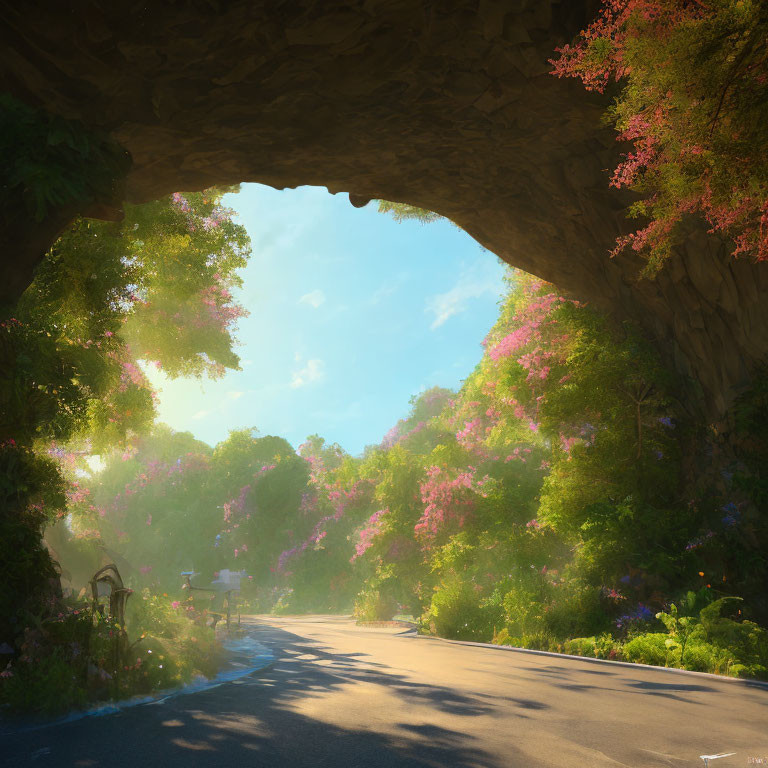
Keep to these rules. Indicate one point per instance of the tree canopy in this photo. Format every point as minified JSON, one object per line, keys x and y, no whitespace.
{"x":691,"y":97}
{"x":108,"y":298}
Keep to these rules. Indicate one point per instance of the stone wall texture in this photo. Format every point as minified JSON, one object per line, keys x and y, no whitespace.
{"x":445,"y":105}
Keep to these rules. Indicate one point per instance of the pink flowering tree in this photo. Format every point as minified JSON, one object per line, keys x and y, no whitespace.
{"x":691,"y":106}
{"x":74,"y":346}
{"x":449,"y":500}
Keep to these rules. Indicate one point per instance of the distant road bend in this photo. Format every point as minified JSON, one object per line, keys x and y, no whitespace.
{"x":347,"y":696}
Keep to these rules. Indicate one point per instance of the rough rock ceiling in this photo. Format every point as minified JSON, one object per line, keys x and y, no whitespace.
{"x":445,"y":105}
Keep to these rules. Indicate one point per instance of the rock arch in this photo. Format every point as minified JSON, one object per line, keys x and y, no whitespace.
{"x":445,"y":105}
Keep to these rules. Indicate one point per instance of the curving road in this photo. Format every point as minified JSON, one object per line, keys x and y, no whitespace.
{"x":344,"y":696}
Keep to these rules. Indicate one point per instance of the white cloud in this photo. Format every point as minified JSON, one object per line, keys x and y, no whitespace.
{"x":453,"y":302}
{"x":313,"y":298}
{"x":233,"y":395}
{"x":388,"y":287}
{"x":313,"y":371}
{"x":382,"y":293}
{"x":201,"y":414}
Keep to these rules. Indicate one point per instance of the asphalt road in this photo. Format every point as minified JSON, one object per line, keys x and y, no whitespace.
{"x":342,"y":696}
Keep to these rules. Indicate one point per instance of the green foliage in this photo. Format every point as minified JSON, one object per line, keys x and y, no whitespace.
{"x":403,"y":211}
{"x":745,"y":639}
{"x":539,"y":641}
{"x":31,"y":482}
{"x":693,"y":103}
{"x":580,"y":646}
{"x":455,"y":612}
{"x":50,"y":162}
{"x":74,"y":657}
{"x":576,"y":610}
{"x":173,"y":642}
{"x":524,"y":610}
{"x":540,"y":506}
{"x":681,"y":629}
{"x":70,"y":353}
{"x":372,"y":605}
{"x":707,"y":642}
{"x":604,"y":646}
{"x":48,"y":687}
{"x":649,"y":648}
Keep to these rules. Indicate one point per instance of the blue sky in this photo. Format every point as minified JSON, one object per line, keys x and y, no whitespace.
{"x":351,"y":313}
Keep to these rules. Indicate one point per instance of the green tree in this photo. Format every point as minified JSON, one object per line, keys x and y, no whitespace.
{"x":70,"y":350}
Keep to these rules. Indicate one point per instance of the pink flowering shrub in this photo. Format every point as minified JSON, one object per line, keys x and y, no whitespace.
{"x":449,"y":500}
{"x":365,"y":536}
{"x":694,"y":79}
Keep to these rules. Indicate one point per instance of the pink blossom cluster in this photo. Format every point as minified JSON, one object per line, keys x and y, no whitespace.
{"x":236,"y":511}
{"x":217,"y":309}
{"x":77,"y":494}
{"x":420,"y":426}
{"x":611,"y":23}
{"x":340,"y":499}
{"x":392,"y":437}
{"x":129,"y":452}
{"x":448,"y":497}
{"x":611,"y":594}
{"x":316,"y":465}
{"x":217,"y":217}
{"x":567,"y":443}
{"x":518,"y":454}
{"x":372,"y":528}
{"x":741,"y":213}
{"x":131,"y":374}
{"x":154,"y":470}
{"x":181,"y":202}
{"x":529,"y":321}
{"x":308,"y":503}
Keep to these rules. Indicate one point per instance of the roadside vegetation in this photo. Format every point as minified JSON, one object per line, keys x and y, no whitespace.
{"x":72,"y":386}
{"x":545,"y":505}
{"x":565,"y":498}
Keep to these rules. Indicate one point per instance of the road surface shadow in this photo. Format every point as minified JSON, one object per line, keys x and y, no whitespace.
{"x":260,"y":721}
{"x":566,"y":678}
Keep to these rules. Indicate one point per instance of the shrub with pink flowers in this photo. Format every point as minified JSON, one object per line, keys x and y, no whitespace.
{"x":538,"y":505}
{"x":73,"y":348}
{"x":691,"y":103}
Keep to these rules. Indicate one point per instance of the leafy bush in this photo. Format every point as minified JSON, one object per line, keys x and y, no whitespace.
{"x":48,"y":686}
{"x":701,"y":657}
{"x":524,"y":611}
{"x":682,"y":629}
{"x":174,"y":642}
{"x":77,"y":656}
{"x":602,"y":647}
{"x":650,"y":648}
{"x":746,"y":640}
{"x":704,"y":643}
{"x":457,"y":613}
{"x":576,"y":611}
{"x":372,"y":605}
{"x":580,"y":646}
{"x":539,"y":641}
{"x":284,"y":605}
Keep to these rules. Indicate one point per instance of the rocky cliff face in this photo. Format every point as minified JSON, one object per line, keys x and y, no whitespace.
{"x":445,"y":105}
